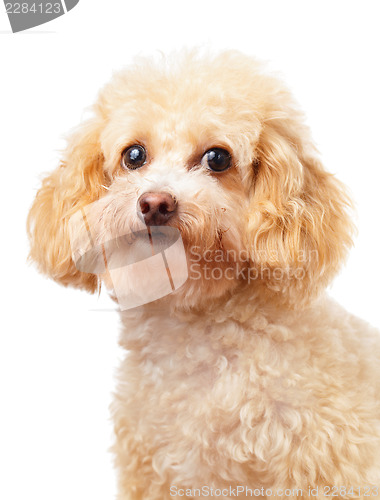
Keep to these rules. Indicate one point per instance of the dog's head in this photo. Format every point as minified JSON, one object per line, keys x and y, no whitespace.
{"x":213,"y":147}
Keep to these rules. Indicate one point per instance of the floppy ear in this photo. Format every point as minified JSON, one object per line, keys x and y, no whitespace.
{"x":78,"y":181}
{"x":299,"y":227}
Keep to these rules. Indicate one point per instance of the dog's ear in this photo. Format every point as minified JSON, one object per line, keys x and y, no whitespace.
{"x":78,"y":181}
{"x":300,"y":226}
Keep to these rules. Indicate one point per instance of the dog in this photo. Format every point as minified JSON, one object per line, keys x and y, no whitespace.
{"x":246,"y":379}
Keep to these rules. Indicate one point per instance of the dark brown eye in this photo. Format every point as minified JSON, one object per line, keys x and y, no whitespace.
{"x":133,"y":157}
{"x":216,"y":159}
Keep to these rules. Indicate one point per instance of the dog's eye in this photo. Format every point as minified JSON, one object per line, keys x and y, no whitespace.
{"x":133,"y":157}
{"x":216,"y":159}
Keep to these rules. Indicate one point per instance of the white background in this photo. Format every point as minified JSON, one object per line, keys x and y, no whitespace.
{"x":58,"y":347}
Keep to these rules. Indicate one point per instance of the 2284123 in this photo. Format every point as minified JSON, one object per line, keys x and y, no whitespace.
{"x":343,"y":491}
{"x":34,"y":8}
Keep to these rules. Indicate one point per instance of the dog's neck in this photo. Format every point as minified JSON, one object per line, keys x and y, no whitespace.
{"x":168,"y":321}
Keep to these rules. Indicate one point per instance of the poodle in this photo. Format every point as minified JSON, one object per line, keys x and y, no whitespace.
{"x":243,"y":378}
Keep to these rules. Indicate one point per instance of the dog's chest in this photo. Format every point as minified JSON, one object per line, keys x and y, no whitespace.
{"x":204,"y":381}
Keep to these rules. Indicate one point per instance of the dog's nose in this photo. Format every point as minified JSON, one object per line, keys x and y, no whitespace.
{"x":155,"y":209}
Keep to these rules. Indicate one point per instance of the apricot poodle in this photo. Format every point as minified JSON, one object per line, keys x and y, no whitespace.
{"x":243,"y":378}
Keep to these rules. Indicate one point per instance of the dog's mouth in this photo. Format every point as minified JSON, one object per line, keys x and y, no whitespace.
{"x":127,"y":249}
{"x":158,"y":238}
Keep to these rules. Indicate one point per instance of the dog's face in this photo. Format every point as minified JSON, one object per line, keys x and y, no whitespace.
{"x":217,"y":150}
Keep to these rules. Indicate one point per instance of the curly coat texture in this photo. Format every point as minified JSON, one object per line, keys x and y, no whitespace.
{"x":225,"y":382}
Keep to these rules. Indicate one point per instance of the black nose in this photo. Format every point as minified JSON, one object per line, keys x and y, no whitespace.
{"x":155,"y":209}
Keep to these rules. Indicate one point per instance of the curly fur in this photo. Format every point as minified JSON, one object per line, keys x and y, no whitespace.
{"x":264,"y":382}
